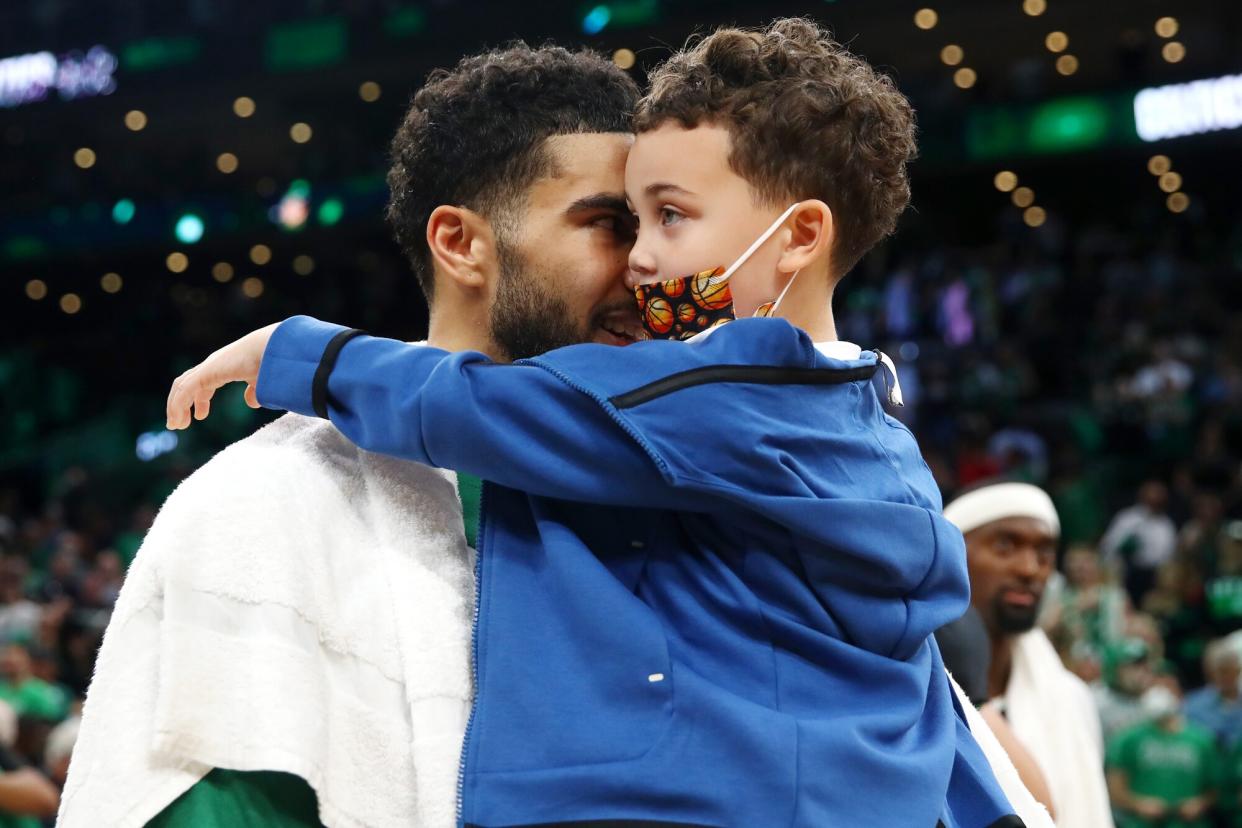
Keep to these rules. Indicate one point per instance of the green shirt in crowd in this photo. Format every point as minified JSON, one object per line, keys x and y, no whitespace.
{"x":1230,"y":802}
{"x":36,"y":698}
{"x":16,"y":821}
{"x":1172,"y":766}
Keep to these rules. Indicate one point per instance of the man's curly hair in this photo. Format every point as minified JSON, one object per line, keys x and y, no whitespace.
{"x":806,"y":118}
{"x":474,"y":135}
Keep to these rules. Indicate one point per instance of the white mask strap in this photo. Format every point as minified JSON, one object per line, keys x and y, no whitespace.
{"x":750,"y":251}
{"x":781,"y":298}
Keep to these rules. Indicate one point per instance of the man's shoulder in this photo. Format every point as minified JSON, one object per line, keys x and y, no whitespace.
{"x":282,"y":506}
{"x":292,"y":449}
{"x":289,"y":469}
{"x":260,"y":463}
{"x":1077,"y":686}
{"x":1037,"y":641}
{"x":292,"y":436}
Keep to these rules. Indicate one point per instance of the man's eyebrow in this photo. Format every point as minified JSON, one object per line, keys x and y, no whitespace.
{"x":600,"y":201}
{"x":661,"y":187}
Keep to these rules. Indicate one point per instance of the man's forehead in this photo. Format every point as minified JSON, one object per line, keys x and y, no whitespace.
{"x":1028,"y":529}
{"x":583,"y":166}
{"x":589,"y":156}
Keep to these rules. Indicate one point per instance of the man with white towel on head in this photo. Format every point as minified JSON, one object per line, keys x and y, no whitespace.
{"x":1011,"y":532}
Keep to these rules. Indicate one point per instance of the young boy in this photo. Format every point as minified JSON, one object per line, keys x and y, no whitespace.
{"x":736,"y":632}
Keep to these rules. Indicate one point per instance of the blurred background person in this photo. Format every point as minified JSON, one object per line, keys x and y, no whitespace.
{"x":1141,"y":538}
{"x":1082,"y":606}
{"x":1127,"y":675}
{"x":27,"y":797}
{"x":1163,"y":772}
{"x":1216,"y":707}
{"x":1011,"y":532}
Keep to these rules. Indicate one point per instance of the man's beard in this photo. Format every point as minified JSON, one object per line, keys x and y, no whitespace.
{"x":527,"y":319}
{"x":1013,"y":620}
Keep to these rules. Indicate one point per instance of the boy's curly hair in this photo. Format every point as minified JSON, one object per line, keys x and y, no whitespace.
{"x":807,"y":119}
{"x":475,"y":135}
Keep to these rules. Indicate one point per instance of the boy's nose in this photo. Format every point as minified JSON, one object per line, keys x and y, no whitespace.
{"x":642,"y":268}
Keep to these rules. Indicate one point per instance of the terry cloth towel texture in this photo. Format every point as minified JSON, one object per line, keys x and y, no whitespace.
{"x":1053,"y":715}
{"x":299,"y":605}
{"x":1028,"y":809}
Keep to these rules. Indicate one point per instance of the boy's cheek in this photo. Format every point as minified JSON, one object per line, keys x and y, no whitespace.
{"x":680,"y":260}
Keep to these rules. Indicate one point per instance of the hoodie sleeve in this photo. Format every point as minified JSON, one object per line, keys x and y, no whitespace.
{"x":522,"y":426}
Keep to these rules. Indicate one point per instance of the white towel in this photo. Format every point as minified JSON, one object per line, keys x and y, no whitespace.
{"x":1025,"y":805}
{"x":299,"y":605}
{"x":1053,"y":715}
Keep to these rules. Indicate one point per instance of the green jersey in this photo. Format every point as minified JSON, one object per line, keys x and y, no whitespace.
{"x":16,"y":821}
{"x":1230,"y":802}
{"x":1169,"y":766}
{"x":225,"y":798}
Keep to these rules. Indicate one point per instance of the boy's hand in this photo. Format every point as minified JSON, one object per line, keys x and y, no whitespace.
{"x":236,"y":362}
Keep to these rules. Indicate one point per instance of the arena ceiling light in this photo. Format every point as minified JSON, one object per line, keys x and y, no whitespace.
{"x":29,"y":78}
{"x":926,"y":19}
{"x":1193,"y":108}
{"x":123,"y":211}
{"x":189,"y":228}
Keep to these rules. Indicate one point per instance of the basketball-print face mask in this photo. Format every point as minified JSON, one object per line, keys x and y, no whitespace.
{"x":687,"y":306}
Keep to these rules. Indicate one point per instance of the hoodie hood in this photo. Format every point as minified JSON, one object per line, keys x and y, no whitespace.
{"x":810,"y":457}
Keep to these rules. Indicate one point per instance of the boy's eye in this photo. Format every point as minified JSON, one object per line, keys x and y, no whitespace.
{"x":669,"y":216}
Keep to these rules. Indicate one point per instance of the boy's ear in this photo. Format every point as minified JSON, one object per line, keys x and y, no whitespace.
{"x":463,"y":247}
{"x":811,"y":239}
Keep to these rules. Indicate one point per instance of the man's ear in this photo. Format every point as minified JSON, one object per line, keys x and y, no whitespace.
{"x":462,"y":245}
{"x":812,"y":236}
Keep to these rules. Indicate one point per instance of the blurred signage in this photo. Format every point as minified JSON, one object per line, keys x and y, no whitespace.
{"x":152,"y":444}
{"x":307,"y":44}
{"x":1188,"y":108}
{"x":30,"y":78}
{"x":1060,"y":125}
{"x":159,"y":53}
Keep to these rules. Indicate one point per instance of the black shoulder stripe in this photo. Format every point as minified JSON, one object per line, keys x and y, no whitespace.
{"x":1010,"y":821}
{"x":605,"y":823}
{"x":755,"y":374}
{"x":319,"y":384}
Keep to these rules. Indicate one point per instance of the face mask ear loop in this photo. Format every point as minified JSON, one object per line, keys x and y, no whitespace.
{"x":750,"y":251}
{"x":781,"y":298}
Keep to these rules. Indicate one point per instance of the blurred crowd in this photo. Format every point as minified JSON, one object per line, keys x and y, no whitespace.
{"x":1104,"y":365}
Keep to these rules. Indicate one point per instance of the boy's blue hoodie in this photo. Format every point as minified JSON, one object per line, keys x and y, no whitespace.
{"x":708,"y":575}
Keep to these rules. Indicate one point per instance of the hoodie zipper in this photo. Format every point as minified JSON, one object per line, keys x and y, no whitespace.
{"x":474,"y":646}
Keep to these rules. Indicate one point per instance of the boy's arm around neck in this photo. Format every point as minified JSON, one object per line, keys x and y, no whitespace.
{"x":522,"y":426}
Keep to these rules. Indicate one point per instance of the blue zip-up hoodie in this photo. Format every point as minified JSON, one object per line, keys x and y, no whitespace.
{"x":737,"y":632}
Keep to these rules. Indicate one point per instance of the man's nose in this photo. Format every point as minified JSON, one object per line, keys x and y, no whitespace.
{"x":1026,"y":563}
